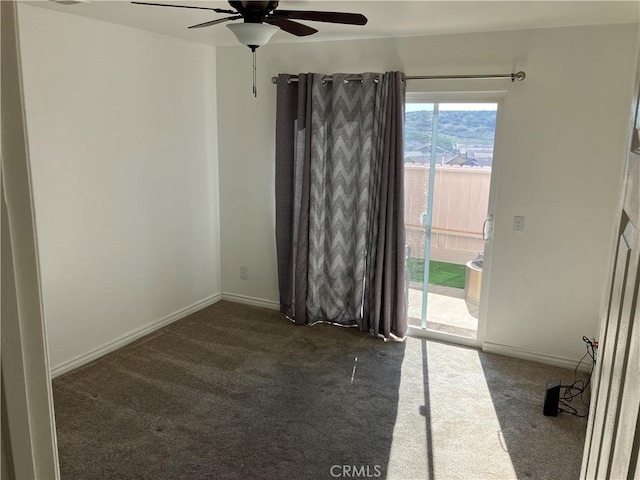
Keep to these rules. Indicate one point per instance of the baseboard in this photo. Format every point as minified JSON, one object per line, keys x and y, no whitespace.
{"x":534,"y":356}
{"x":131,"y":336}
{"x":256,"y":302}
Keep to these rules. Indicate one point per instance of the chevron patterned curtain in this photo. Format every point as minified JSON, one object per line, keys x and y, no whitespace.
{"x":339,"y":201}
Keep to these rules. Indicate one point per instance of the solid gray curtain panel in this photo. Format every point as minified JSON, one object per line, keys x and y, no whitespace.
{"x":339,"y":201}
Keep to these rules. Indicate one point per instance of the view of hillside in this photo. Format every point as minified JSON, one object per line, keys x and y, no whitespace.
{"x":454,"y":127}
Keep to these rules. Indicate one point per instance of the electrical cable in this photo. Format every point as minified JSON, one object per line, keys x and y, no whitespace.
{"x":579,"y":386}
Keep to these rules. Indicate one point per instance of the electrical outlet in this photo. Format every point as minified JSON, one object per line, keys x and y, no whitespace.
{"x":244,"y":273}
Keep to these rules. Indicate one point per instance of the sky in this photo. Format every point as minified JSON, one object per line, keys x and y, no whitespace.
{"x":416,"y":107}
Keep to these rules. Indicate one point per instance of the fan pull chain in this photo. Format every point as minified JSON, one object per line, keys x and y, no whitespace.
{"x":255,"y":88}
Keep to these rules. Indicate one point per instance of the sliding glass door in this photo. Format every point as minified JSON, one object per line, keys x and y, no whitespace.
{"x":448,"y":169}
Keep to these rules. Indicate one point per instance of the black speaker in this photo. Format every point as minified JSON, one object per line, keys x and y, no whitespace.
{"x":552,"y":398}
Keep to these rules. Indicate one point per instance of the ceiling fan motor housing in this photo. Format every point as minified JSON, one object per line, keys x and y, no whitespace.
{"x":254,"y":11}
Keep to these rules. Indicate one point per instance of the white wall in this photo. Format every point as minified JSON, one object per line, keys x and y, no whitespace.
{"x":560,"y":152}
{"x":122,"y":135}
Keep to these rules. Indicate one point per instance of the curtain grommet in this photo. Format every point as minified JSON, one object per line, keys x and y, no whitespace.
{"x":345,"y":81}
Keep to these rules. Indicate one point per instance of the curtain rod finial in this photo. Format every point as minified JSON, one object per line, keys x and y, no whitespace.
{"x":519,"y":76}
{"x":274,"y":80}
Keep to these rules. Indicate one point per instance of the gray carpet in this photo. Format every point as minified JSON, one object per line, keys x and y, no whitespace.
{"x":236,"y":392}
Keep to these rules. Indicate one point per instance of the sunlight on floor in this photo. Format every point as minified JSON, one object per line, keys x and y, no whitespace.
{"x":460,"y":433}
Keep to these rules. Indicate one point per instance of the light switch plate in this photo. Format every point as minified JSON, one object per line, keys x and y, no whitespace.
{"x":518,"y":224}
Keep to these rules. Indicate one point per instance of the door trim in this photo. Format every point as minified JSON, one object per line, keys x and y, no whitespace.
{"x":26,"y":380}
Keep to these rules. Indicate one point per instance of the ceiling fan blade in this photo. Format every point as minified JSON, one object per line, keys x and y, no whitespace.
{"x":217,"y":10}
{"x":215,"y":22}
{"x":288,"y":26}
{"x":330,"y":17}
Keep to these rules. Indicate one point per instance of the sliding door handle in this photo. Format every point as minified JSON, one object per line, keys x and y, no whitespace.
{"x":487,"y":228}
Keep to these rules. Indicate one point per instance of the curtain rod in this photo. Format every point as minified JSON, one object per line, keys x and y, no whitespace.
{"x":513,"y":76}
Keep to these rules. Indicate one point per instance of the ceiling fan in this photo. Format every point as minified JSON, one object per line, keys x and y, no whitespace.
{"x":262,"y":19}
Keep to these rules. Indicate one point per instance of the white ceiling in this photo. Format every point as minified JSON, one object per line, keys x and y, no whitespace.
{"x":386,"y":18}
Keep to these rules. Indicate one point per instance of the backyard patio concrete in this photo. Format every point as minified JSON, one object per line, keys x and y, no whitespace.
{"x":447,"y":310}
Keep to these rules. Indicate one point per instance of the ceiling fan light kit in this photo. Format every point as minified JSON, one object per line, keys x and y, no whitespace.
{"x":253,"y":35}
{"x":262,"y":20}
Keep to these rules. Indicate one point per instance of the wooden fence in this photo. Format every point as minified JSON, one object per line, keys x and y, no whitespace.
{"x":459,"y":209}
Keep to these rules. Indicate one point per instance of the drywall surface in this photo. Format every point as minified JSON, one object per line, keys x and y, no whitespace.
{"x":560,"y":151}
{"x":122,"y":136}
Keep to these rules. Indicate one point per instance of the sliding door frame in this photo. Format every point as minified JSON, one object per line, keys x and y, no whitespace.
{"x":470,"y":97}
